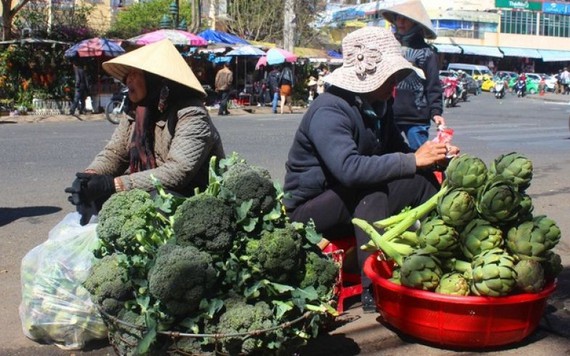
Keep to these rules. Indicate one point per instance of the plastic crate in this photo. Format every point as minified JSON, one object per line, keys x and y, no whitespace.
{"x":471,"y":322}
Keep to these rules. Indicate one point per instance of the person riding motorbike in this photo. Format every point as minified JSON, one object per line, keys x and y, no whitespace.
{"x":520,"y":85}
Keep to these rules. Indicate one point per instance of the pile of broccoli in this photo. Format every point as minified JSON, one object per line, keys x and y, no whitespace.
{"x":225,"y":261}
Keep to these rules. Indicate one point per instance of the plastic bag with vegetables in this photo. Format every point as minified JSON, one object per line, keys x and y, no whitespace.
{"x":55,"y":307}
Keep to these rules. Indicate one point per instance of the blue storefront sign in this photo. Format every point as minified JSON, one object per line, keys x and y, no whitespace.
{"x":556,"y":8}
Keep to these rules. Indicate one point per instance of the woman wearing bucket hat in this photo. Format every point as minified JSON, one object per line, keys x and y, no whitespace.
{"x":348,"y":158}
{"x":417,"y":101}
{"x":169,"y":136}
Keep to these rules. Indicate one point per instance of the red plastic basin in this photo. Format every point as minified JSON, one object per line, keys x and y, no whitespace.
{"x":455,"y":321}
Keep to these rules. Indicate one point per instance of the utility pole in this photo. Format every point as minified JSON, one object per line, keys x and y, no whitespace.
{"x":289,"y":25}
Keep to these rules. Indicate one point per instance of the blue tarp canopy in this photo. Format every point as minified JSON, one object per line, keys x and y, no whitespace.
{"x":217,"y":37}
{"x":447,"y":48}
{"x":334,"y":54}
{"x":520,"y":52}
{"x":554,"y":56}
{"x":488,"y":51}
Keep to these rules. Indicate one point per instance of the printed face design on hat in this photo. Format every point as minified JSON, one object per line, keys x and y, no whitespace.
{"x":364,"y":59}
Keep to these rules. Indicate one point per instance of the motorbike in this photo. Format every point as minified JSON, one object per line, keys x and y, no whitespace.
{"x":117,"y":108}
{"x":499,"y":89}
{"x":520,"y":88}
{"x":461,"y":90}
{"x":450,"y":91}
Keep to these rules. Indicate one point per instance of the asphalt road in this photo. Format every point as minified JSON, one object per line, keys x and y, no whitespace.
{"x":39,"y":160}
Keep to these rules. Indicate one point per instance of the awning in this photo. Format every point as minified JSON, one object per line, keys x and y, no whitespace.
{"x":520,"y":52}
{"x":481,"y":51}
{"x":447,"y":48}
{"x":554,"y":56}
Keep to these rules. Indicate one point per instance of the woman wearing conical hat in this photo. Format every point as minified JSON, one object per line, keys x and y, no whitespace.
{"x":417,"y":101}
{"x":169,"y":134}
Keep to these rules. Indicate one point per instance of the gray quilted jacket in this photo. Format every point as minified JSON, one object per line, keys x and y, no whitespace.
{"x":182,"y":159}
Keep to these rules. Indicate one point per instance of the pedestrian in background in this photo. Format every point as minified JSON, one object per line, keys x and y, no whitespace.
{"x":223,"y":84}
{"x":286,"y":84}
{"x":81,"y":89}
{"x":273,"y":83}
{"x":417,"y":101}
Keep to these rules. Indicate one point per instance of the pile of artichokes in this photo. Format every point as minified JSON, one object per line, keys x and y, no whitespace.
{"x":477,"y":235}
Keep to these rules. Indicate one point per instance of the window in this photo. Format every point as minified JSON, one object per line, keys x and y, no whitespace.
{"x":518,"y":22}
{"x":554,"y":25}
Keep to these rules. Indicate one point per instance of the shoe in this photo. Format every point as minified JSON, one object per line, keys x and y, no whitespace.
{"x":368,"y":302}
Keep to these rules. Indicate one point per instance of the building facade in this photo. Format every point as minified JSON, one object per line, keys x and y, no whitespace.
{"x":518,"y":32}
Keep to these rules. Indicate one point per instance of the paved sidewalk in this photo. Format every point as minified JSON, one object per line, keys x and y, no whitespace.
{"x":31,"y":118}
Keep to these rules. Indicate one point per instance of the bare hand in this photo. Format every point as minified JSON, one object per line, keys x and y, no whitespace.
{"x":439,"y":120}
{"x":429,"y":153}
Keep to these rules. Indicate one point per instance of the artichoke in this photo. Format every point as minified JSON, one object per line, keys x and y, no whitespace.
{"x":499,"y":201}
{"x":552,"y":265}
{"x":493,"y":273}
{"x":466,"y":172}
{"x":479,"y":235}
{"x":530,"y":276}
{"x":514,"y":167}
{"x":526,"y":208}
{"x":456,"y":208}
{"x":530,"y":240}
{"x":420,"y":270}
{"x":453,"y":283}
{"x":434,"y":233}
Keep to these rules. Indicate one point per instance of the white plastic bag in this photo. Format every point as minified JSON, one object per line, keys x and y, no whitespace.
{"x":88,"y":104}
{"x":55,"y":307}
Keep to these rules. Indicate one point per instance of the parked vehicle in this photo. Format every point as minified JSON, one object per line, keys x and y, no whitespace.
{"x":488,"y":84}
{"x":549,"y":80}
{"x":478,"y":72}
{"x":118,"y":106}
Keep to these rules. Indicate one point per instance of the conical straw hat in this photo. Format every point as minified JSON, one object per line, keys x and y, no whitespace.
{"x":160,"y":58}
{"x":413,"y":10}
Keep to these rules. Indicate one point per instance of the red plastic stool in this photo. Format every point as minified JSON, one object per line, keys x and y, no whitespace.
{"x":348,"y":284}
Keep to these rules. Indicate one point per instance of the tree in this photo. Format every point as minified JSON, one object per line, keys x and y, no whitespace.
{"x":262,"y":20}
{"x":257,"y":20}
{"x":8,"y":14}
{"x":144,"y":17}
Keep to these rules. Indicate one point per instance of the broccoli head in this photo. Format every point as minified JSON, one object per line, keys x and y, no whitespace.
{"x":206,"y":222}
{"x":108,"y":283}
{"x":277,"y":255}
{"x":321,"y":272}
{"x":121,"y":218}
{"x":241,"y":317}
{"x":254,"y":183}
{"x":180,"y":277}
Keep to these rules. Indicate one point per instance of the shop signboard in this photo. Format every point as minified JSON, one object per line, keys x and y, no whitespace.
{"x":556,"y":8}
{"x":519,"y":4}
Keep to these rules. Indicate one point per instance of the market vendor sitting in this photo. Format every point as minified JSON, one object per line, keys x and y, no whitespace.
{"x":348,"y":159}
{"x":170,"y":136}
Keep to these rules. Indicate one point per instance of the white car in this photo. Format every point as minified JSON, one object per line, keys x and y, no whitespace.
{"x":549,"y":80}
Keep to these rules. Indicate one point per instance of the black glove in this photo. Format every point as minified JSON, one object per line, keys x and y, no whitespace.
{"x":99,"y":186}
{"x":77,"y":189}
{"x":85,"y":208}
